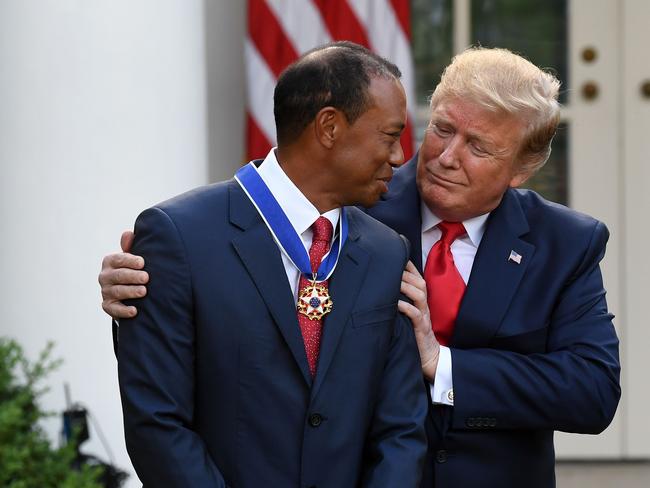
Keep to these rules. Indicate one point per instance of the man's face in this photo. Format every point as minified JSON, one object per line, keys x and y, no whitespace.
{"x":370,"y":147}
{"x":468,"y":159}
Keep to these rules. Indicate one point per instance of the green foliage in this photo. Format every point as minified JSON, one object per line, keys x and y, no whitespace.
{"x":27,"y":459}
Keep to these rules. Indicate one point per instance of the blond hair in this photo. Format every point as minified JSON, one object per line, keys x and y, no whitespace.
{"x":501,"y":81}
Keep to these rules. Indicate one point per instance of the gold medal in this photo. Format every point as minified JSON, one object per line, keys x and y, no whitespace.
{"x":314,"y":301}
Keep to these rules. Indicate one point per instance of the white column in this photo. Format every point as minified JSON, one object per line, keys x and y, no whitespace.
{"x":103,"y":112}
{"x":636,"y":265}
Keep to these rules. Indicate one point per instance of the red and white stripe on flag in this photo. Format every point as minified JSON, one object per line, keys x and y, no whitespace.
{"x":280,"y":30}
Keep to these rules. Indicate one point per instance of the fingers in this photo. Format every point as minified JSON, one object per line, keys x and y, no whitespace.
{"x":414,"y":286}
{"x":126,"y":241}
{"x":414,"y":277}
{"x":411,"y":311}
{"x":118,"y":310}
{"x":113,"y":296}
{"x":123,"y":292}
{"x":415,"y":294}
{"x":410,"y":267}
{"x":428,"y":346}
{"x":419,"y":316}
{"x":122,"y":276}
{"x":123,"y":260}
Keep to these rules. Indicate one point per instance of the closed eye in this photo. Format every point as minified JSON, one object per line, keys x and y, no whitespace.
{"x":441,"y":130}
{"x":479,"y":151}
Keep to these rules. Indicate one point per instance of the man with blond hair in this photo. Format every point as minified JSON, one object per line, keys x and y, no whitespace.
{"x":507,"y":298}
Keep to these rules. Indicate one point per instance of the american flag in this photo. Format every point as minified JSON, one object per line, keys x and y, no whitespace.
{"x":515,"y":257}
{"x":280,"y":30}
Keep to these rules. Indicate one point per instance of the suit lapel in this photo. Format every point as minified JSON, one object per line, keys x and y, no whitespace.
{"x":344,"y":286}
{"x":260,"y":255}
{"x":494,"y":278}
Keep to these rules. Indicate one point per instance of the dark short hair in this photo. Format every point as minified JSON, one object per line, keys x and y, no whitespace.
{"x":337,"y":74}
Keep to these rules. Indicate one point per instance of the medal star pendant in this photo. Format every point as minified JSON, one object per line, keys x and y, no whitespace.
{"x":314,"y":301}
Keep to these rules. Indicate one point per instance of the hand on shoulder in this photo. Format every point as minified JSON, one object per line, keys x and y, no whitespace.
{"x":415,"y":288}
{"x":122,"y":277}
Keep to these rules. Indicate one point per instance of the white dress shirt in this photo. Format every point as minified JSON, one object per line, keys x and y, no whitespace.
{"x":464,"y":251}
{"x":300,"y":211}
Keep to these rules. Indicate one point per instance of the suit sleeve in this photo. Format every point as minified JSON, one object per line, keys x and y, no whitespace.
{"x":572,"y":387}
{"x":156,"y":366}
{"x":397,"y":441}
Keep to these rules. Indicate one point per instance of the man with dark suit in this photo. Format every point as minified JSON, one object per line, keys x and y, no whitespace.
{"x":223,"y":381}
{"x":515,"y":297}
{"x":511,"y":321}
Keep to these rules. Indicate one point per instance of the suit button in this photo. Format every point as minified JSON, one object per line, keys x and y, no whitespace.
{"x":493,"y":422}
{"x":315,"y":419}
{"x":441,"y":456}
{"x":470,"y":422}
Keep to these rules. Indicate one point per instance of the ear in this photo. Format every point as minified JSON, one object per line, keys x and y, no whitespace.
{"x":520,"y":178}
{"x":328,"y":125}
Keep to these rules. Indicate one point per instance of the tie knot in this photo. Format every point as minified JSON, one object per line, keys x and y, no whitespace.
{"x":451,"y":231}
{"x":322,"y":229}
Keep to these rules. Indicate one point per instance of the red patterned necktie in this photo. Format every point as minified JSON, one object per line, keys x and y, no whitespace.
{"x":445,"y":286}
{"x":311,"y":329}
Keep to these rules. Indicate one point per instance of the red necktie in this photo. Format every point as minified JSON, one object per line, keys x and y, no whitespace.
{"x":445,"y":286}
{"x":311,"y":329}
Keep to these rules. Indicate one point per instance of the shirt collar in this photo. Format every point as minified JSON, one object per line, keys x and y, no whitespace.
{"x":298,"y":209}
{"x":475,"y":226}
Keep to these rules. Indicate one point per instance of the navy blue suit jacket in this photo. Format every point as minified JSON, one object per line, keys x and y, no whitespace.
{"x":533,"y":350}
{"x":215,"y":385}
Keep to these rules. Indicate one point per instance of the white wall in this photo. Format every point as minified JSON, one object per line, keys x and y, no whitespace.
{"x":103,"y":112}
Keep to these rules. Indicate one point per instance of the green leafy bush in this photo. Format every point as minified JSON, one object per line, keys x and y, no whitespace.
{"x":27,"y":458}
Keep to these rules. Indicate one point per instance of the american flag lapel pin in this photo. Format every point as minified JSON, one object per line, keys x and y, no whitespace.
{"x":515,"y":257}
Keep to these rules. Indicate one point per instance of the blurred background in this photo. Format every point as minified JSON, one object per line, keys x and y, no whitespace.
{"x":107,"y":107}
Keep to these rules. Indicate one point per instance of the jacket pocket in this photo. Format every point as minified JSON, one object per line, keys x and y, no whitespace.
{"x":373,"y":317}
{"x":530,"y":342}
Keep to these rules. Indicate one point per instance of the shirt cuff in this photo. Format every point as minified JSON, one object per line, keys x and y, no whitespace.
{"x":442,"y":389}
